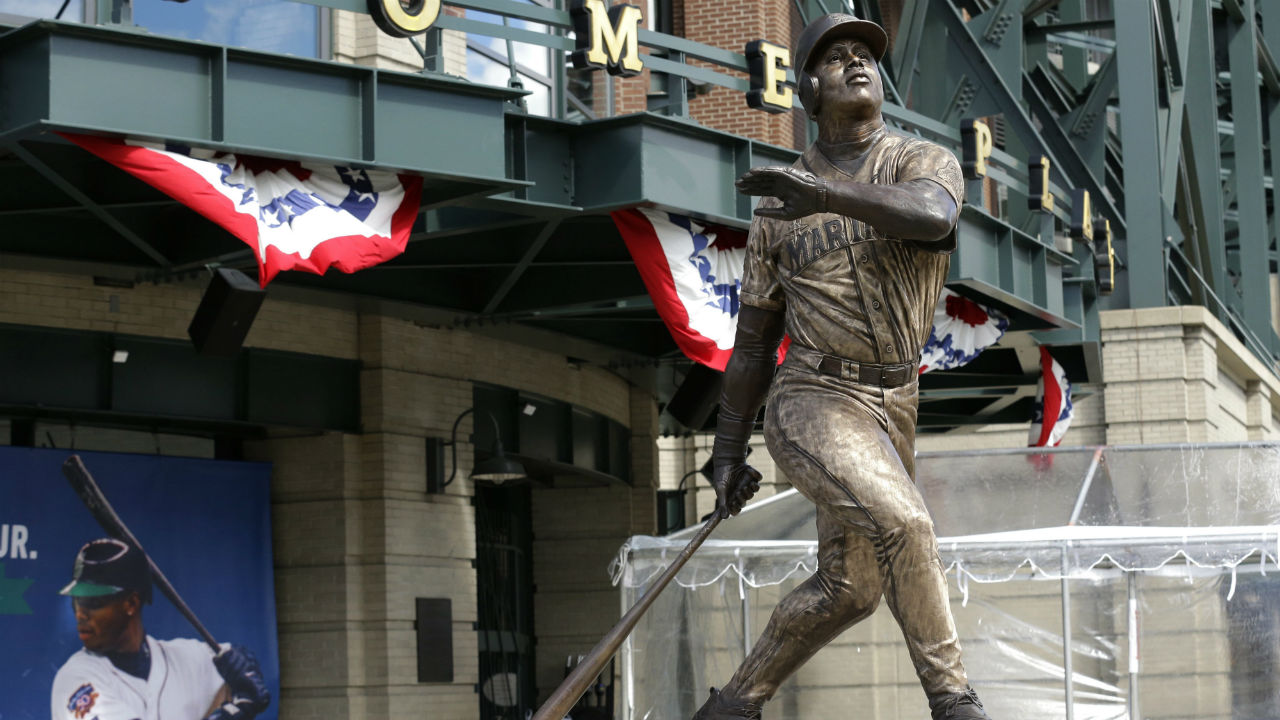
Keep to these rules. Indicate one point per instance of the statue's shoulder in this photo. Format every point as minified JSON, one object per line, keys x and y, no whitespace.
{"x":895,"y":139}
{"x":914,"y":143}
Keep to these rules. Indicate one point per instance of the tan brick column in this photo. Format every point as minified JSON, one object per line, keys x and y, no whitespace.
{"x":1154,"y":376}
{"x":357,"y":40}
{"x":1176,"y":374}
{"x":1260,"y":421}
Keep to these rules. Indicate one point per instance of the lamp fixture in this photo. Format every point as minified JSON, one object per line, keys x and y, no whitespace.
{"x":497,"y":469}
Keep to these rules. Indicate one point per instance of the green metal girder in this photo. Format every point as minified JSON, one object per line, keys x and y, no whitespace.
{"x":64,"y":76}
{"x":1202,"y":154}
{"x":669,"y":162}
{"x":1138,"y":122}
{"x":1176,"y":32}
{"x":1075,"y":60}
{"x":1251,"y":201}
{"x":1269,"y":46}
{"x":994,"y":94}
{"x":906,"y":51}
{"x":1087,"y":126}
{"x":1016,"y":270}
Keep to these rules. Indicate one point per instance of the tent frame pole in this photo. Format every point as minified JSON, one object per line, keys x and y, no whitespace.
{"x":1068,"y":672}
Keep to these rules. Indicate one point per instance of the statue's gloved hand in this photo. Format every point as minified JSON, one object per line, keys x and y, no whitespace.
{"x":801,"y":192}
{"x":735,"y":482}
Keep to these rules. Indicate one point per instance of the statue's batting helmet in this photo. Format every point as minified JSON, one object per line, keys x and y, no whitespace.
{"x":822,"y":31}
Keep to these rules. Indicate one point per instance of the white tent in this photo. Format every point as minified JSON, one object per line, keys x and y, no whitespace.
{"x":1157,"y":562}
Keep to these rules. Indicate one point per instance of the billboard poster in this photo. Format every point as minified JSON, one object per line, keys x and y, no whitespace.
{"x":207,"y":526}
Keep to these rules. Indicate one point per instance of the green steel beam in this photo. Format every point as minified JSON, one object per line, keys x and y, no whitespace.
{"x":535,"y":247}
{"x":79,"y":196}
{"x":666,"y":161}
{"x":1201,"y":157}
{"x":1068,"y":170}
{"x":1251,"y":201}
{"x":1036,"y":8}
{"x":1269,"y":46}
{"x":1266,"y":58}
{"x":1176,"y":34}
{"x":1143,"y":208}
{"x":1014,"y":269}
{"x":1075,"y":61}
{"x":1079,"y":174}
{"x":1087,"y":124}
{"x":906,"y":50}
{"x":998,"y":32}
{"x":212,"y":96}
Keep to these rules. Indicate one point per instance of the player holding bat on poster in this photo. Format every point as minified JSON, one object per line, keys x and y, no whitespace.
{"x":124,"y":674}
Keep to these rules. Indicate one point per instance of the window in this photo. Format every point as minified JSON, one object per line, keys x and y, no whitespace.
{"x":277,"y":26}
{"x":20,"y":12}
{"x":488,"y":61}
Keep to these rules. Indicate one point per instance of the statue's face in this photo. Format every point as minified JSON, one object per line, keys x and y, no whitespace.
{"x":849,"y":79}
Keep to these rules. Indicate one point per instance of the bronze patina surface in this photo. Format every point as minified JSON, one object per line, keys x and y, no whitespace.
{"x":848,"y":254}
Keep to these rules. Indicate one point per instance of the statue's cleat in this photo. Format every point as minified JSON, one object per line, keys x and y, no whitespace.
{"x":958,"y":706}
{"x":719,"y":707}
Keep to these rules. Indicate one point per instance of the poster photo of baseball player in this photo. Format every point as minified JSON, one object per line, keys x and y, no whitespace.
{"x":122,"y":673}
{"x":172,"y":619}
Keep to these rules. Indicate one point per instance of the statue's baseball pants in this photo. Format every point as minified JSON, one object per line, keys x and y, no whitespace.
{"x":848,"y":447}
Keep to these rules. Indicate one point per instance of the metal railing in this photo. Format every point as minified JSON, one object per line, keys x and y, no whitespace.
{"x":1185,"y":285}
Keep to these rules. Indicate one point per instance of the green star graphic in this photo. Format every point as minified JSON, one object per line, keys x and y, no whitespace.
{"x":11,"y":589}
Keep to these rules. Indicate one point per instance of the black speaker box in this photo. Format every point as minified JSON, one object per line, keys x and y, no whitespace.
{"x":226,"y":312}
{"x":697,"y":396}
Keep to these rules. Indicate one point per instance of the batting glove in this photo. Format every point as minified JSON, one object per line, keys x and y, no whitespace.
{"x":249,"y":694}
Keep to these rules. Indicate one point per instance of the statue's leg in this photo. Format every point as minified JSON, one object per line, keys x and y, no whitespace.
{"x":915,"y":582}
{"x":844,"y":589}
{"x":842,"y":445}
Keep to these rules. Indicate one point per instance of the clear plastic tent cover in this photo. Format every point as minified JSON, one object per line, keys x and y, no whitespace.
{"x":1157,"y":563}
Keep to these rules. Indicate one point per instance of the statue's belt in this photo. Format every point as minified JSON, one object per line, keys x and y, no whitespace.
{"x":885,"y":376}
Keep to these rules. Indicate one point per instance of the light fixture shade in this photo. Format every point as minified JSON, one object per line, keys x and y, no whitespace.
{"x":498,"y":469}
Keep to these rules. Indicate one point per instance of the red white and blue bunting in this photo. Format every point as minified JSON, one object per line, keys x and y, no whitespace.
{"x":295,"y":216}
{"x":1052,"y":412}
{"x":961,"y":329}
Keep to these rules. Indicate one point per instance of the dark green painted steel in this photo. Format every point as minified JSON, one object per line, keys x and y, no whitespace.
{"x":1202,"y":158}
{"x":1251,"y":202}
{"x":92,"y":79}
{"x":1138,"y":132}
{"x":1013,"y":269}
{"x":1270,"y":43}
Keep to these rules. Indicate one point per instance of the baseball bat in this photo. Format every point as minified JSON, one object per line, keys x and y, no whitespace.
{"x":565,"y":696}
{"x":82,"y":482}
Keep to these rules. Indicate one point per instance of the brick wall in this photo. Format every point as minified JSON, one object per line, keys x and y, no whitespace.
{"x":731,"y":26}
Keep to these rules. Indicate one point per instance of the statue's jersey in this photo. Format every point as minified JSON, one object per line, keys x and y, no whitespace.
{"x":848,"y":289}
{"x":182,"y":685}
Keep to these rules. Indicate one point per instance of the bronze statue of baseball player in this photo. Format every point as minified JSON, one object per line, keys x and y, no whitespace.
{"x":847,"y":255}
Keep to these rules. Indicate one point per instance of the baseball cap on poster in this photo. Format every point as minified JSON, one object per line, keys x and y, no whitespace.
{"x":108,"y":566}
